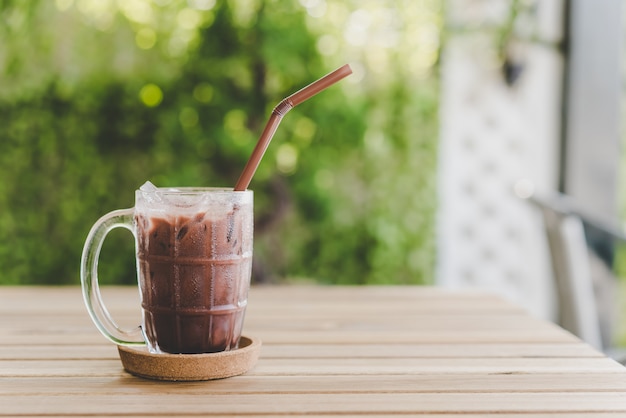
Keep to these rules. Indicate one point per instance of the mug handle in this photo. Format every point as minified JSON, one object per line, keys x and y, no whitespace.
{"x":122,"y":218}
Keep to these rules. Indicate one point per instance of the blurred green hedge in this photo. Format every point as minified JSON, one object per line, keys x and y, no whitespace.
{"x":97,"y":101}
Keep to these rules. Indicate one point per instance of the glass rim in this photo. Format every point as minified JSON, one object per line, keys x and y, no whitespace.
{"x":194,"y":191}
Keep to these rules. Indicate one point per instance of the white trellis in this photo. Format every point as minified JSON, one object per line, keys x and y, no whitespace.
{"x":493,"y":134}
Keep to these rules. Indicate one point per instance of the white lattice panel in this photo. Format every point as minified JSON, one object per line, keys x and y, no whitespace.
{"x":492,"y":135}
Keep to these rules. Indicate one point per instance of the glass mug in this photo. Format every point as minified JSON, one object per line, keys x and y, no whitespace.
{"x":194,"y":262}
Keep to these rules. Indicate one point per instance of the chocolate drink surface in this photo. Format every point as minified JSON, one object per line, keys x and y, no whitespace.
{"x":194,"y":272}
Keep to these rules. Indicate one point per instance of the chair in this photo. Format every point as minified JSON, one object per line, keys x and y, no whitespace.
{"x":581,"y":248}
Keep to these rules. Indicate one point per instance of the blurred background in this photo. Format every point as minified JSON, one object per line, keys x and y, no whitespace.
{"x":99,"y":96}
{"x":476,"y":145}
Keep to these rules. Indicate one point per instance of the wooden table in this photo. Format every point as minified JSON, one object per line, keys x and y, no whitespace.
{"x":326,"y":351}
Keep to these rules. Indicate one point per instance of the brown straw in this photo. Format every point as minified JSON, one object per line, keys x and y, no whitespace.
{"x":277,"y":115}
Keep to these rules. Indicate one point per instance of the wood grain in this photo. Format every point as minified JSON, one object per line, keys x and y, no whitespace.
{"x":327,"y":351}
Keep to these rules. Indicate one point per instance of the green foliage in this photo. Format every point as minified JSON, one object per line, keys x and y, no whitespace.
{"x":100,"y":98}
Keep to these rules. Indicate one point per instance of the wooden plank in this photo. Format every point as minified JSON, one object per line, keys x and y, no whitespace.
{"x":421,"y":415}
{"x":293,"y":351}
{"x":323,"y":319}
{"x":123,"y":384}
{"x":565,"y":350}
{"x":164,"y":403}
{"x":447,"y":336}
{"x":339,"y":337}
{"x":289,"y":322}
{"x":413,"y":366}
{"x":59,"y":352}
{"x":311,"y":331}
{"x":334,"y":367}
{"x":342,"y":298}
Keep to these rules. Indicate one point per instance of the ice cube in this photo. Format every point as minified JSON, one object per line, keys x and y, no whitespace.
{"x":148,"y":187}
{"x":151,"y":193}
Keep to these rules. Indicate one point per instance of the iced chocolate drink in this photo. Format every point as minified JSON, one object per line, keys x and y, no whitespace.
{"x":194,"y":258}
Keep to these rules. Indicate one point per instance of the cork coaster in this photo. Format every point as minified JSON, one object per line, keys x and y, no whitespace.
{"x":191,"y":367}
